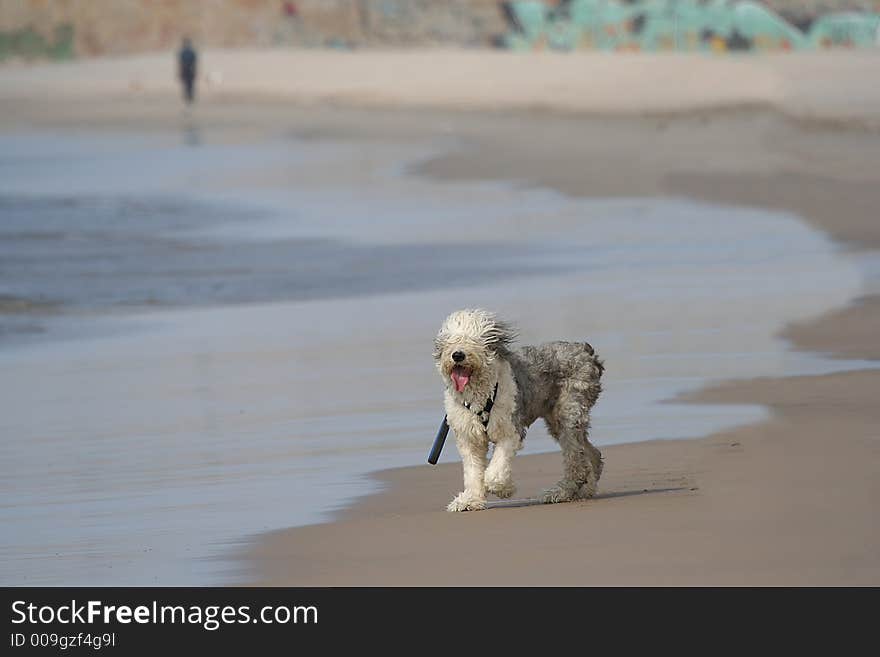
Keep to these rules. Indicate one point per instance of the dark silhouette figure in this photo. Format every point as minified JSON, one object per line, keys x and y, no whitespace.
{"x":187,"y":59}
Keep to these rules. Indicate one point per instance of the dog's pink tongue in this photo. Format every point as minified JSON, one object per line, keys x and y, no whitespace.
{"x":460,"y":379}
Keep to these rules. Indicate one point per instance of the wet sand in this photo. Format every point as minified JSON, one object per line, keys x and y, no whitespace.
{"x":788,"y":501}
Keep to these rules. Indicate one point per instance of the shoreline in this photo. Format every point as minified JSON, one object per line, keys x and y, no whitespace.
{"x":769,"y":503}
{"x":739,"y":511}
{"x":401,"y":536}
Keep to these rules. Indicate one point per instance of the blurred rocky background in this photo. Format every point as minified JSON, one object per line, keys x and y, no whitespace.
{"x":59,"y":29}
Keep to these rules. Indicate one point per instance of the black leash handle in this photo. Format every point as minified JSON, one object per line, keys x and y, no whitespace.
{"x":438,"y":442}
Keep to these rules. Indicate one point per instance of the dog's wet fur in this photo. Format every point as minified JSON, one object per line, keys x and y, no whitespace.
{"x":556,"y":381}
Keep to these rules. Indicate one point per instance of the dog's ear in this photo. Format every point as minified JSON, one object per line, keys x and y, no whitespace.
{"x":439,"y":344}
{"x":500,"y":336}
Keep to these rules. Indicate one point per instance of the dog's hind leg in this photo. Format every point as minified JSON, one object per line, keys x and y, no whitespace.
{"x":594,"y":458}
{"x":569,"y":423}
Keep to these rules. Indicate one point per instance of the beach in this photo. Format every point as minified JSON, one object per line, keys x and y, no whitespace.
{"x":785,"y":502}
{"x":779,"y":490}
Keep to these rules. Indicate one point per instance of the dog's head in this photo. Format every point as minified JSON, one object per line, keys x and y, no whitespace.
{"x":467,"y":345}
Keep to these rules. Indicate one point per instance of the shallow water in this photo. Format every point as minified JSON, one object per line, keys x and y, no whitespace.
{"x":204,"y":342}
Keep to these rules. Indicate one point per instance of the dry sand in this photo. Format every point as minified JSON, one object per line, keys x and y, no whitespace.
{"x":789,"y":501}
{"x":827,"y":86}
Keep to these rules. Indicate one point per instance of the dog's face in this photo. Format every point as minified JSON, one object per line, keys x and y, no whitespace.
{"x":468,"y":342}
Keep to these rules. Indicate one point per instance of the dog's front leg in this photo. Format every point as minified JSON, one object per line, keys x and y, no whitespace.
{"x":473,"y":460}
{"x":499,"y":474}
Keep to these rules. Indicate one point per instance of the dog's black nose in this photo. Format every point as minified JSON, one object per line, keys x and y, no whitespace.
{"x":457,"y":356}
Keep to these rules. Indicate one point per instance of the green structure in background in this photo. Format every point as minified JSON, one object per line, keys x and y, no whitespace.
{"x":30,"y":44}
{"x":689,"y":25}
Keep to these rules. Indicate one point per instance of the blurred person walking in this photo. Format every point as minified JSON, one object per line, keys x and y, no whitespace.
{"x":187,"y":60}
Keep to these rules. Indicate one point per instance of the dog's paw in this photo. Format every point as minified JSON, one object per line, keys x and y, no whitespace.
{"x":562,"y":492}
{"x":588,"y":489}
{"x":503,"y":489}
{"x":466,"y":502}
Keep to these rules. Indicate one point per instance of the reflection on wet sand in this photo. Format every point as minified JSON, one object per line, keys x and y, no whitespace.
{"x":287,"y":350}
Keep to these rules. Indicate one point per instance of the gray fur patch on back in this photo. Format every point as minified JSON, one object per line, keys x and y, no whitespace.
{"x":542,"y":373}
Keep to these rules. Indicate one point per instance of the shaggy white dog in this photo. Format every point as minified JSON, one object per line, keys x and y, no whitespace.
{"x":494,"y":392}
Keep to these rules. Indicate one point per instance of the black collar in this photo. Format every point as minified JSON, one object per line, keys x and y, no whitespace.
{"x":487,"y":408}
